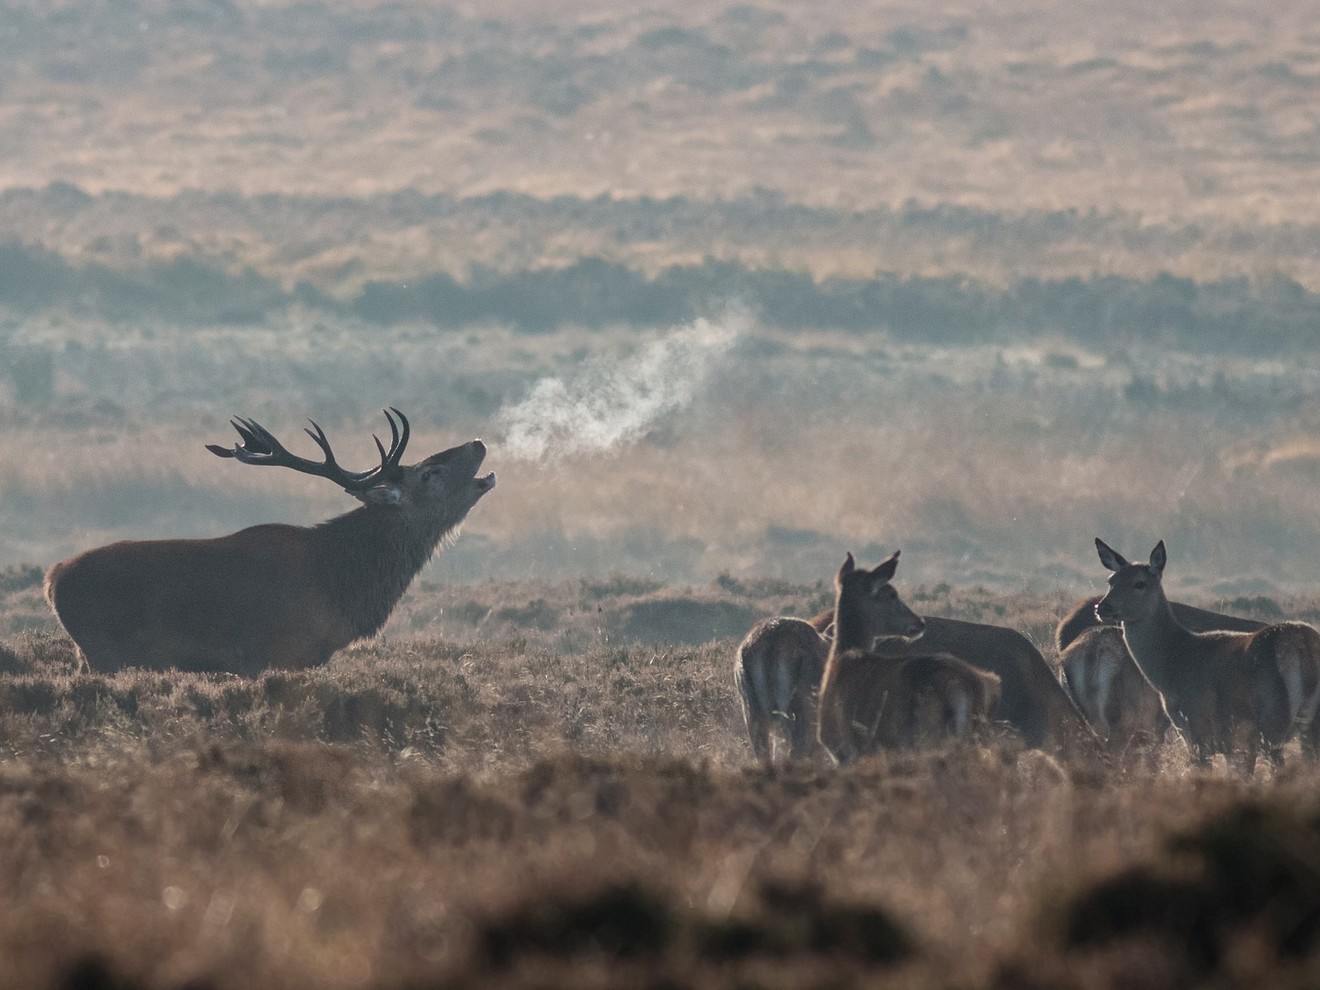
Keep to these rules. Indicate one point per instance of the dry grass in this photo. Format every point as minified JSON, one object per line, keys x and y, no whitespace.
{"x":518,"y":806}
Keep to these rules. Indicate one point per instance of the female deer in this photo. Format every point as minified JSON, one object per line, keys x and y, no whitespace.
{"x":1225,"y":691}
{"x":870,"y":699}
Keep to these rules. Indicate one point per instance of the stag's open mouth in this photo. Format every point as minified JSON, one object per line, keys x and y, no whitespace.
{"x":486,"y":484}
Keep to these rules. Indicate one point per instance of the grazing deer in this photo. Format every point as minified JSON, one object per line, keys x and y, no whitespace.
{"x":870,"y":699}
{"x":272,"y":595}
{"x":1031,"y":700}
{"x":1111,"y":691}
{"x":1225,"y":691}
{"x":777,"y":671}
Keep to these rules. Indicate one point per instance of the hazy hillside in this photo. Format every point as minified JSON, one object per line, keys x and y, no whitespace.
{"x":1007,"y":278}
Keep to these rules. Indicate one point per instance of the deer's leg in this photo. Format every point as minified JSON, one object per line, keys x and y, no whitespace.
{"x":758,"y":733}
{"x":803,"y":734}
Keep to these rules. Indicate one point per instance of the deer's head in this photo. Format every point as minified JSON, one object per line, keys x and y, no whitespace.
{"x":444,"y":485}
{"x":1135,"y":591}
{"x":872,"y":601}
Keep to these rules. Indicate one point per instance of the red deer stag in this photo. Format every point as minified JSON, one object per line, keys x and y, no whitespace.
{"x":272,"y":595}
{"x":777,"y":671}
{"x":1032,"y":700}
{"x":870,"y":699}
{"x":1227,"y":692}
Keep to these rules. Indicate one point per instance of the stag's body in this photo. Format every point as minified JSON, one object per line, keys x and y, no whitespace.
{"x":1111,"y":691}
{"x":272,"y":595}
{"x":777,"y":670}
{"x":871,"y":699}
{"x":1227,"y":692}
{"x":1031,"y":700}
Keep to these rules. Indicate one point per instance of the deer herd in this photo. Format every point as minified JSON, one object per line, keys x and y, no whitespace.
{"x":868,"y":674}
{"x":878,"y":676}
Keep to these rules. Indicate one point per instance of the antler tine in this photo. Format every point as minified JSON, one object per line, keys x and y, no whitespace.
{"x":321,"y":441}
{"x":389,"y":460}
{"x":400,"y":440}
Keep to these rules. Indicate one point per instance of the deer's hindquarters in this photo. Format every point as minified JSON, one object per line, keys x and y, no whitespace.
{"x":1110,"y":690}
{"x":777,"y":671}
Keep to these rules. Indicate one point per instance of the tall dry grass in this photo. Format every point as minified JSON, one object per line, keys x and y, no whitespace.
{"x":543,"y":801}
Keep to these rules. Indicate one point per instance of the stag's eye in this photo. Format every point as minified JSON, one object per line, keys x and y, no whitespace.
{"x":1139,"y":585}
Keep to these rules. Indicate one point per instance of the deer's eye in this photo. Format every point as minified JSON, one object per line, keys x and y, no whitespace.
{"x":1139,"y":585}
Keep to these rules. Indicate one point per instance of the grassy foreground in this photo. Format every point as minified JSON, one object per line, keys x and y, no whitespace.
{"x":534,"y":802}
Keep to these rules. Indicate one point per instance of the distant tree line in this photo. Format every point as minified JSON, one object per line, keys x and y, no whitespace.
{"x":1236,"y":315}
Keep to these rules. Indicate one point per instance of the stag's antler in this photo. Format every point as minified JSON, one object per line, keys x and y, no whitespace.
{"x":259,"y":446}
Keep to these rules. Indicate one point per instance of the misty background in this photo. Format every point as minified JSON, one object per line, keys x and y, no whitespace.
{"x":730,"y":290}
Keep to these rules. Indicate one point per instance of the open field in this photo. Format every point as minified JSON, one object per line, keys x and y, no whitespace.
{"x":729,"y":290}
{"x":556,"y":792}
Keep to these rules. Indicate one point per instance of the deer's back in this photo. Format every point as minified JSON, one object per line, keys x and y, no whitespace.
{"x":1031,"y":698}
{"x":228,"y":603}
{"x":1082,"y":617}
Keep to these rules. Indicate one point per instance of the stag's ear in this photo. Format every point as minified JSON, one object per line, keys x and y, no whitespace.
{"x":849,"y":565}
{"x":1158,"y":558}
{"x":380,"y":495}
{"x":1110,"y":557}
{"x":883,"y":572}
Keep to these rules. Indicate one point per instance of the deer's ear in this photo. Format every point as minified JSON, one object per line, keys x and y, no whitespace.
{"x":1110,"y":557}
{"x":380,"y":495}
{"x":883,"y":572}
{"x":849,"y":565}
{"x":1158,"y":558}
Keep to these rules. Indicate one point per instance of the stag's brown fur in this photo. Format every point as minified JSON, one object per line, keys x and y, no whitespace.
{"x":1227,"y":692}
{"x":777,"y":671}
{"x":271,"y":595}
{"x":871,"y":699}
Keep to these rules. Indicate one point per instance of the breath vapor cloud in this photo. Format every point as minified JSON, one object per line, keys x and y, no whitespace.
{"x":613,"y":401}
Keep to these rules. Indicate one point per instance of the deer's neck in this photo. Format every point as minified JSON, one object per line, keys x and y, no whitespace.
{"x":1161,"y":647}
{"x":851,"y":630}
{"x":369,"y":556}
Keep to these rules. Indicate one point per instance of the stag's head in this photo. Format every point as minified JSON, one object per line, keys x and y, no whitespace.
{"x":1135,"y":591}
{"x":444,"y":486}
{"x":870,"y":597}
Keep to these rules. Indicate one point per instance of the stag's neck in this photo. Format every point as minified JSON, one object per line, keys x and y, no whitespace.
{"x":1161,"y":646}
{"x":369,"y":556}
